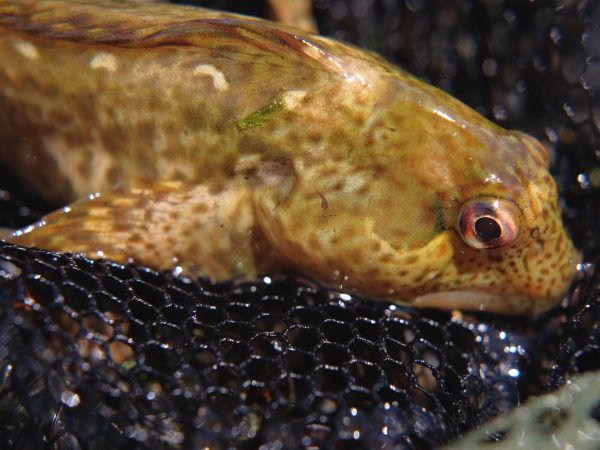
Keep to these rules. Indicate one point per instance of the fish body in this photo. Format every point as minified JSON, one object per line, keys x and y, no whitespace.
{"x":233,"y":146}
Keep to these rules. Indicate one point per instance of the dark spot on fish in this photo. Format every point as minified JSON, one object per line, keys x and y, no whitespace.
{"x":388,"y":257}
{"x":324,"y":202}
{"x":200,"y":208}
{"x":412,"y":259}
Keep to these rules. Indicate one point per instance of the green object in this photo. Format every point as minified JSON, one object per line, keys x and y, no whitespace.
{"x":560,"y":420}
{"x":257,"y":118}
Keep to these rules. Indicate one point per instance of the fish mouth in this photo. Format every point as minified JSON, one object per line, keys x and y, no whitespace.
{"x":490,"y":302}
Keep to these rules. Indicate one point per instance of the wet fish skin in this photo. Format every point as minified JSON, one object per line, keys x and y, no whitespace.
{"x":234,"y":146}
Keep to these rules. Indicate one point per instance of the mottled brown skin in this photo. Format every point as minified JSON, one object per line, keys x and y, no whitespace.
{"x":234,"y":146}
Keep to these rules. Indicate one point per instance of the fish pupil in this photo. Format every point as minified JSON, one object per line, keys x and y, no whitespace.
{"x":487,"y":228}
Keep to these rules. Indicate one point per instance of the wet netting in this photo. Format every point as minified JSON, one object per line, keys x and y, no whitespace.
{"x":103,"y":355}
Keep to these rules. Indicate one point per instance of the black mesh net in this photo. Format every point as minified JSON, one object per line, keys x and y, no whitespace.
{"x":98,"y":353}
{"x":101,"y":355}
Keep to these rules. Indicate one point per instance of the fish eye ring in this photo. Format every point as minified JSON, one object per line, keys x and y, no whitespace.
{"x":489,"y":222}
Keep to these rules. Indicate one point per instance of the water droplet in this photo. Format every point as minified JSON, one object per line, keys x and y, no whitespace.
{"x":414,"y":5}
{"x":514,"y":373}
{"x":489,"y":67}
{"x":590,"y":79}
{"x":568,"y":108}
{"x":521,"y":86}
{"x":510,"y":15}
{"x":70,"y":398}
{"x":587,"y":268}
{"x":551,"y":134}
{"x":583,"y":181}
{"x":556,"y":35}
{"x":539,"y":64}
{"x":591,"y":42}
{"x":499,"y":112}
{"x":9,"y":270}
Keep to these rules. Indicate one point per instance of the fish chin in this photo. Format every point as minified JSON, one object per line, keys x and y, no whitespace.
{"x":500,"y":303}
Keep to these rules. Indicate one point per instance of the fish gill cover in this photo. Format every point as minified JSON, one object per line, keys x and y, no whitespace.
{"x":98,"y":355}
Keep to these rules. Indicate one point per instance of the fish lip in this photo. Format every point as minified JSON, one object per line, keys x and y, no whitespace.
{"x":489,"y":302}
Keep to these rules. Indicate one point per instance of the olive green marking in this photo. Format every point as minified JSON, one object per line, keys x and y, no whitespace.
{"x":476,"y":172}
{"x":257,"y":118}
{"x":438,"y":212}
{"x":129,"y":364}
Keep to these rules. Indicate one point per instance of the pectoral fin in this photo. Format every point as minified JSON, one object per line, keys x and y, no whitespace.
{"x":162,"y":226}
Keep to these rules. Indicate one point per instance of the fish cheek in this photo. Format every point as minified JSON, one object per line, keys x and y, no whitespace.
{"x":474,"y":269}
{"x":336,"y":245}
{"x":505,"y":271}
{"x":293,"y":218}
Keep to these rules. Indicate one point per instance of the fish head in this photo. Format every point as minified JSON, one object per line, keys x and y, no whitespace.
{"x":411,"y":196}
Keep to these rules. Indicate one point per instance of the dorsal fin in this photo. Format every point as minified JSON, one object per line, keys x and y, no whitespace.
{"x":142,"y":23}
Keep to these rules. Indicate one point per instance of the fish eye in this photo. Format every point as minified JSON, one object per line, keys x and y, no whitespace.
{"x":489,"y":222}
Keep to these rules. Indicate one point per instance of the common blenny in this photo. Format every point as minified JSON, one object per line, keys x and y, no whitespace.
{"x":235,"y":146}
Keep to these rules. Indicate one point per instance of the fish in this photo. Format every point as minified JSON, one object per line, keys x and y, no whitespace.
{"x":232,"y":147}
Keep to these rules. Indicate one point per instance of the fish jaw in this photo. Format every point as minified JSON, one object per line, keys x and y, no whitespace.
{"x":489,"y":302}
